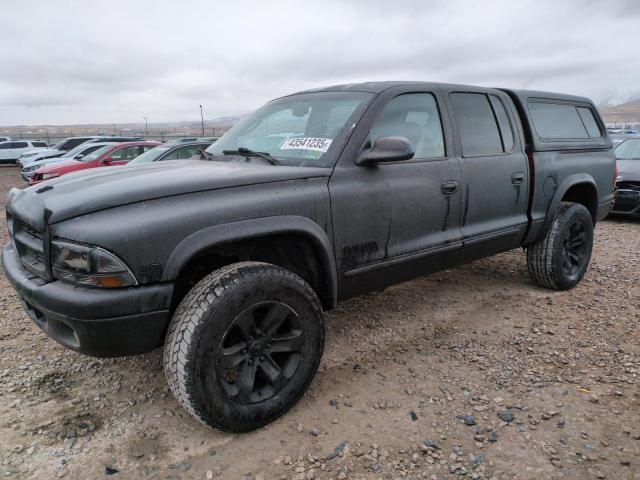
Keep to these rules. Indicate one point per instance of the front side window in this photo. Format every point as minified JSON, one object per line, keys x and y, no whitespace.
{"x":415,"y":117}
{"x":183,"y":153}
{"x":127,"y":153}
{"x":96,"y":153}
{"x":629,"y":149}
{"x":479,"y":134}
{"x":20,"y":145}
{"x":150,"y":155}
{"x":297,"y":130}
{"x":39,"y":144}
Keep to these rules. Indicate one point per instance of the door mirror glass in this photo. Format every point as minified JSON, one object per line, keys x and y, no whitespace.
{"x":387,"y":149}
{"x":107,"y":160}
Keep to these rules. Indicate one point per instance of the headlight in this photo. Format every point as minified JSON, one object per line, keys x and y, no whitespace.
{"x":89,"y":266}
{"x":47,"y":176}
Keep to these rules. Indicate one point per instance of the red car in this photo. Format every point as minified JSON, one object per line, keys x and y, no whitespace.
{"x":112,"y":154}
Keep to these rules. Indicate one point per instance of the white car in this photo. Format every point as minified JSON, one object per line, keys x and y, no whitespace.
{"x":66,"y":145}
{"x":5,"y":139}
{"x":57,"y":150}
{"x":10,"y":151}
{"x":74,"y":154}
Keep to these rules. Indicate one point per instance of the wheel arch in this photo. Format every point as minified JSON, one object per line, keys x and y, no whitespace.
{"x":579,"y":188}
{"x":262,"y":231}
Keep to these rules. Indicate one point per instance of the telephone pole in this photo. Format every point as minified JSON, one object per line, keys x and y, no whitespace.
{"x":202,"y":120}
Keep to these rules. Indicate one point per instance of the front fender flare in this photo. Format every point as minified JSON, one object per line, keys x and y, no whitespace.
{"x":213,"y":236}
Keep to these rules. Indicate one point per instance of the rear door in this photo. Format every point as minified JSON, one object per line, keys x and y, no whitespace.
{"x":495,"y":171}
{"x":12,"y":150}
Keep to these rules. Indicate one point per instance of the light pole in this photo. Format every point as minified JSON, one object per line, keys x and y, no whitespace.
{"x":146,"y":127}
{"x":202,"y":120}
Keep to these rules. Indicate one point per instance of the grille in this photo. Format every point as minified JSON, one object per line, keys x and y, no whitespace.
{"x":29,"y":246}
{"x":626,"y":185}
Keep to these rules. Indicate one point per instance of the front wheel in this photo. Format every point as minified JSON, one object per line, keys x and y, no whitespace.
{"x":560,"y":259}
{"x":244,"y":345}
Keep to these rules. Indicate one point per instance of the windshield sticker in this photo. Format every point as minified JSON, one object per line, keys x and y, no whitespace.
{"x":306,"y":143}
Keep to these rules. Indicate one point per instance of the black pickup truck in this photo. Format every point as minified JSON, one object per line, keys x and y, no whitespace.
{"x":314,"y":198}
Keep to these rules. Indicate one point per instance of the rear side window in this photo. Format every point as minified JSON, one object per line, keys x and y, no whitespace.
{"x":563,"y":121}
{"x":506,"y":132}
{"x":20,"y":145}
{"x":39,"y":144}
{"x":477,"y":125}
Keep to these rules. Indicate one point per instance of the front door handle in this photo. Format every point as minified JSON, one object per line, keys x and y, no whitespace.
{"x":449,"y":187}
{"x":517,"y":178}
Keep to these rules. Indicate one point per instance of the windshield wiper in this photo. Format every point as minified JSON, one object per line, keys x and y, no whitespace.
{"x":247,"y":152}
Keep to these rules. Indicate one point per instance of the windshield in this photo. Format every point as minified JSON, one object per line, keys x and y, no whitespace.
{"x":297,"y":130}
{"x":150,"y":155}
{"x":629,"y":149}
{"x":76,"y":151}
{"x":95,"y":154}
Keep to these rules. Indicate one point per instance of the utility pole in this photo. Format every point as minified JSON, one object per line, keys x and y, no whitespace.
{"x":146,"y":127}
{"x":202,"y":120}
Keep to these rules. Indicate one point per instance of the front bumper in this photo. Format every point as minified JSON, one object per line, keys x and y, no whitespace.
{"x":96,"y":322}
{"x":626,"y":202}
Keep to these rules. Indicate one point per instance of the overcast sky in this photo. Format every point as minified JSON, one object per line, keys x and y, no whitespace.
{"x":86,"y":61}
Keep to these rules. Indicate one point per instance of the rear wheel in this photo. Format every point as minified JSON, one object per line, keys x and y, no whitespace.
{"x":244,"y":345}
{"x":560,"y":259}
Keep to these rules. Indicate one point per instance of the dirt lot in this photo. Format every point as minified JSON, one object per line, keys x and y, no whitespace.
{"x":469,"y":373}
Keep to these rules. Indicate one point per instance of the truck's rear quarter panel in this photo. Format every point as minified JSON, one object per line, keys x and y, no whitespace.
{"x":563,"y":166}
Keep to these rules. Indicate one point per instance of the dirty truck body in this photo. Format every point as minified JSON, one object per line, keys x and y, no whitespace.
{"x":229,"y":263}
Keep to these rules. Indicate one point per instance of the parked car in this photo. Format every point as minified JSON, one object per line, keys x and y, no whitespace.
{"x":627,"y":189}
{"x":66,"y":145}
{"x":312,"y":199}
{"x":107,"y":156}
{"x":11,"y":150}
{"x":74,"y":154}
{"x":5,"y":139}
{"x":170,"y":151}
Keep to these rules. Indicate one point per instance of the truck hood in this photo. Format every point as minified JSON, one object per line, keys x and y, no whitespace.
{"x":628,"y":170}
{"x":97,"y":189}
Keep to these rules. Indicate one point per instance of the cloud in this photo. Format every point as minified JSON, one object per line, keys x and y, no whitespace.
{"x":85,"y":61}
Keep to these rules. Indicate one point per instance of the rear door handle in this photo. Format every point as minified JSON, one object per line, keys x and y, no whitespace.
{"x":449,"y":187}
{"x":517,"y":178}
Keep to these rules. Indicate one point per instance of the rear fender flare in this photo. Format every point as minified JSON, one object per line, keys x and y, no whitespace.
{"x":563,"y":188}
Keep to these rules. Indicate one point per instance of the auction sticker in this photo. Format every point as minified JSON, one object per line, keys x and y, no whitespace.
{"x":306,"y":143}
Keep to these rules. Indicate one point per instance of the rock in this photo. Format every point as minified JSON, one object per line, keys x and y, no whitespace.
{"x":110,"y":471}
{"x":506,"y":415}
{"x":413,"y":415}
{"x":209,"y":475}
{"x":337,"y":451}
{"x":315,"y":432}
{"x":468,"y":420}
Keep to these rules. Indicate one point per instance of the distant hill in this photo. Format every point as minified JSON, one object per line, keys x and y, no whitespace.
{"x":627,"y":112}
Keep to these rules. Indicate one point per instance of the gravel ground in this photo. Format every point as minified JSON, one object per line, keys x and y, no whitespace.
{"x":473,"y":372}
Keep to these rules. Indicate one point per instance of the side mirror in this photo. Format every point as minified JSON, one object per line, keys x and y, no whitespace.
{"x":79,"y":157}
{"x":107,"y":160}
{"x":387,"y":149}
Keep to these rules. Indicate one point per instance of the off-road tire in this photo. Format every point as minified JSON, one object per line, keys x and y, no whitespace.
{"x":545,"y":257}
{"x":200,"y":325}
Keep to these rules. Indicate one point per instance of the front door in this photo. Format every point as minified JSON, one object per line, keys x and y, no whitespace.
{"x":395,"y":221}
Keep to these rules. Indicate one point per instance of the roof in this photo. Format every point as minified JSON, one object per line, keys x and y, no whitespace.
{"x":378,"y":87}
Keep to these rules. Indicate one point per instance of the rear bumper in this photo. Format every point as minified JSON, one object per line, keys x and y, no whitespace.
{"x":626,"y":202}
{"x":101,"y":323}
